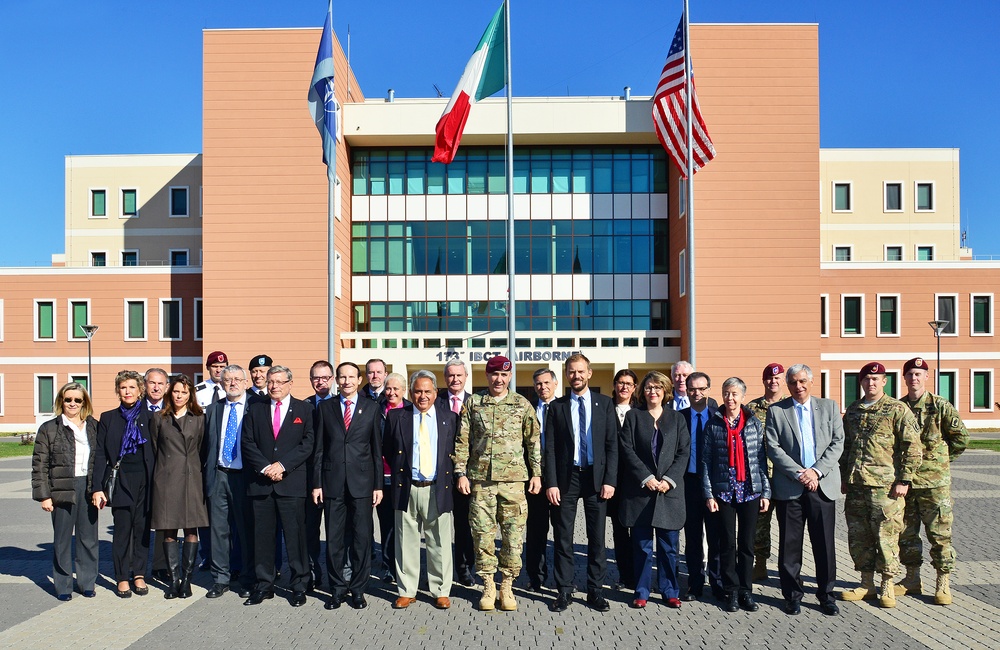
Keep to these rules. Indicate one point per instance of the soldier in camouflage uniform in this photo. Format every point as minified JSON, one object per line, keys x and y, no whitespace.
{"x":774,"y":391}
{"x":943,"y":437}
{"x":881,"y":456}
{"x":497,"y":450}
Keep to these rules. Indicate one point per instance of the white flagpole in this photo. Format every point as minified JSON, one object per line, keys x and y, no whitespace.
{"x":331,"y":262}
{"x":511,"y":320}
{"x":689,"y":189}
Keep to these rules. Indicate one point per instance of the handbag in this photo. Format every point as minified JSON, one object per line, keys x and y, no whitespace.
{"x":111,"y":482}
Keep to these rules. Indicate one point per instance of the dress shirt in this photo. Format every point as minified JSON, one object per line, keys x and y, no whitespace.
{"x":681,"y":402}
{"x":804,"y":414}
{"x":575,"y":414}
{"x":621,"y":410}
{"x":430,"y":421}
{"x":695,"y":417}
{"x":240,"y":407}
{"x":82,"y":447}
{"x":154,"y":407}
{"x":540,"y":411}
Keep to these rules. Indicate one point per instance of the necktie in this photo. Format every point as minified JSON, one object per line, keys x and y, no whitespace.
{"x":347,"y":414}
{"x":808,"y":441}
{"x":695,"y":443}
{"x":584,"y":455}
{"x":542,"y":408}
{"x":229,"y":442}
{"x":426,"y":454}
{"x":216,"y":396}
{"x":276,"y":423}
{"x":154,"y":408}
{"x":456,"y":404}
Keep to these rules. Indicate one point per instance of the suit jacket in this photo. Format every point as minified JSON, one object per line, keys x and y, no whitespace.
{"x":559,"y":447}
{"x":348,"y":461}
{"x":696,"y":444}
{"x":784,"y":446}
{"x":398,"y":451}
{"x":110,"y":431}
{"x":291,"y":448}
{"x":215,"y":431}
{"x":642,"y":507}
{"x":445,"y":396}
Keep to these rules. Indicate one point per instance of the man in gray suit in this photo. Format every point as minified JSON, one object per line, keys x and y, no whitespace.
{"x":805,"y":438}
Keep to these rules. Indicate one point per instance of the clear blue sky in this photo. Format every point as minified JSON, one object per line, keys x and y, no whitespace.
{"x":104,"y":77}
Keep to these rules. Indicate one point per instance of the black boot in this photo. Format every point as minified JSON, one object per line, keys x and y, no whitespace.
{"x":172,"y":554}
{"x":190,"y":556}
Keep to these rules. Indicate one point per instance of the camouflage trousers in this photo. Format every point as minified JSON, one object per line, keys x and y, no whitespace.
{"x":498,"y":505}
{"x":932,"y":508}
{"x":874,"y":522}
{"x":762,"y":538}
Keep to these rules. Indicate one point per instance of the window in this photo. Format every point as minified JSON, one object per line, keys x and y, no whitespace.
{"x":852,"y":389}
{"x":893,"y":253}
{"x":2,"y":394}
{"x":130,"y":203}
{"x":179,"y":206}
{"x":682,"y":197}
{"x":199,"y":319}
{"x":892,"y":383}
{"x":338,"y":200}
{"x":79,"y":315}
{"x":824,"y":384}
{"x":824,"y":315}
{"x":45,"y":394}
{"x":135,"y":320}
{"x":45,"y":320}
{"x":893,"y":197}
{"x":948,"y":386}
{"x":924,"y":200}
{"x":338,"y":274}
{"x":842,"y":253}
{"x":852,"y":315}
{"x":81,"y":379}
{"x":982,"y":314}
{"x":946,"y":309}
{"x":130,"y":258}
{"x":1,"y":319}
{"x":924,"y":254}
{"x":842,"y":197}
{"x":982,"y":390}
{"x":98,"y":203}
{"x":170,"y":319}
{"x":888,"y":315}
{"x":682,"y":273}
{"x":98,"y":258}
{"x":178,"y":257}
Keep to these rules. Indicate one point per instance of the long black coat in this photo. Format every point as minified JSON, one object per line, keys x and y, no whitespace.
{"x":639,"y":506}
{"x":53,"y":461}
{"x":110,"y":431}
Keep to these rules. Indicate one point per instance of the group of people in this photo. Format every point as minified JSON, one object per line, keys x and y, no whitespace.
{"x":251,"y":467}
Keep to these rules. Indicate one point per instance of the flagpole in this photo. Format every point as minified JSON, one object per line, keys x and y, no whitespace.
{"x":511,"y":319}
{"x":331,"y":261}
{"x":689,"y":191}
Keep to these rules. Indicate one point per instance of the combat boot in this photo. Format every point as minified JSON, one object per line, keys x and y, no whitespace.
{"x":942,"y":591}
{"x":865,"y":591}
{"x":887,"y":598}
{"x":759,"y":569}
{"x":507,"y":602}
{"x":488,"y":602}
{"x":911,"y":583}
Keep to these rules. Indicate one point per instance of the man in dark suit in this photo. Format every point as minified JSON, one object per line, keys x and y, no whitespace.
{"x":321,"y":379}
{"x":276,"y":442}
{"x":537,"y":527}
{"x":225,"y":483}
{"x":701,"y":524}
{"x":581,"y":462}
{"x":418,"y":443}
{"x":805,"y":439}
{"x":349,"y":482}
{"x":375,"y":373}
{"x":454,"y":395}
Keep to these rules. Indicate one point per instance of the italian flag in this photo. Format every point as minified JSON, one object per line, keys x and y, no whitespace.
{"x":483,"y":76}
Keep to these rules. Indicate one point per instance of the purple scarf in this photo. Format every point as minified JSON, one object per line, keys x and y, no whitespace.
{"x":133,"y":437}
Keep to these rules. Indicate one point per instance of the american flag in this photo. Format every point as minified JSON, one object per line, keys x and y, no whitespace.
{"x":669,"y":118}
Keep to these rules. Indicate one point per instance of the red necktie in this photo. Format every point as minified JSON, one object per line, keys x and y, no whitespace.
{"x":276,"y":423}
{"x":347,"y":414}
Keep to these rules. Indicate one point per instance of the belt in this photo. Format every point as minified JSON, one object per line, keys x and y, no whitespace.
{"x":422,"y":483}
{"x":229,"y":470}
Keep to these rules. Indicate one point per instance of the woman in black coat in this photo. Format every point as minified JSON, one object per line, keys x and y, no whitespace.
{"x":62,"y":468}
{"x":123,"y":440}
{"x":655,"y":448}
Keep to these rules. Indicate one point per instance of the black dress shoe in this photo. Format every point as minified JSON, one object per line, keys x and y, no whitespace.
{"x":535,"y":586}
{"x":691,"y":595}
{"x":747,"y":602}
{"x":793,"y":608}
{"x":243,"y":591}
{"x":298,"y":599}
{"x":597,"y":602}
{"x":729,"y":603}
{"x":334,"y":602}
{"x":358,"y":601}
{"x":829,"y":608}
{"x":216,"y":591}
{"x":720,"y":594}
{"x":257,"y":597}
{"x":561,"y":603}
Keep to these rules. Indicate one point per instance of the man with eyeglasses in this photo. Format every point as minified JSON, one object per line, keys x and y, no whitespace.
{"x":537,"y":525}
{"x":321,"y":379}
{"x":454,"y":394}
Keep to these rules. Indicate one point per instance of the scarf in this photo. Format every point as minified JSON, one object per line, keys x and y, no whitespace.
{"x":737,"y":452}
{"x":133,"y":437}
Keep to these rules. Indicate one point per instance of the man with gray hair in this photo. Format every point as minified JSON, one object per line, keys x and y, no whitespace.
{"x":678,"y":374}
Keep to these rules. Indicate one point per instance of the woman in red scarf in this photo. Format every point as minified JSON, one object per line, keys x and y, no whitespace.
{"x":734,"y":478}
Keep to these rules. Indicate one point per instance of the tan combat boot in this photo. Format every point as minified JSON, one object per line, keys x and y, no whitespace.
{"x":760,"y":569}
{"x":887,"y":598}
{"x":488,"y":602}
{"x":910,"y":584}
{"x":507,"y":602}
{"x":942,"y":591}
{"x":865,"y":591}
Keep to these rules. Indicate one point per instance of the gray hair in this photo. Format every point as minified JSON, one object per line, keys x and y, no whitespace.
{"x":455,"y":362}
{"x":423,"y":374}
{"x":151,"y":371}
{"x":273,"y":370}
{"x":677,"y":365}
{"x":541,"y":371}
{"x":734,"y":381}
{"x":796,"y":369}
{"x":395,"y":376}
{"x":232,"y":369}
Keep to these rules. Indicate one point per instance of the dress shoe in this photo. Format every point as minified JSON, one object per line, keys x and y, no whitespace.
{"x":691,"y":595}
{"x":123,"y":594}
{"x":334,"y":602}
{"x":597,"y":602}
{"x":673,"y":603}
{"x":243,"y":591}
{"x":298,"y":599}
{"x":561,"y":603}
{"x":65,"y":597}
{"x":829,"y":608}
{"x":535,"y":586}
{"x":358,"y":601}
{"x":729,"y":603}
{"x":217,"y":590}
{"x":792,"y":607}
{"x":442,"y":602}
{"x":257,"y":597}
{"x":89,"y":593}
{"x":403,"y":602}
{"x":720,"y":594}
{"x":639,"y":603}
{"x":747,"y":602}
{"x":466,"y":579}
{"x":140,"y":591}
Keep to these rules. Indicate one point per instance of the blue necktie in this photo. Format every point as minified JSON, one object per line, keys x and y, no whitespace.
{"x":695,"y":442}
{"x":808,"y":440}
{"x":584,"y":455}
{"x":229,"y":442}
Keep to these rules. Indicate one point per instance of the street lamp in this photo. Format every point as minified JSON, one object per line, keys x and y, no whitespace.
{"x":89,"y":330}
{"x":938,"y":327}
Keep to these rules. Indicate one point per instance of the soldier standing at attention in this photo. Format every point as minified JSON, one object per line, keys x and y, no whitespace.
{"x":773,"y":379}
{"x":943,"y":438}
{"x":497,"y":450}
{"x":881,"y":456}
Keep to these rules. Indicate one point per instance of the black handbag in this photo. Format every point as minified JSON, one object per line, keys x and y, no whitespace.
{"x":111,"y":482}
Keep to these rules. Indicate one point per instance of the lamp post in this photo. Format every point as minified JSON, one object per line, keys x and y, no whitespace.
{"x":89,"y":330}
{"x":938,"y":327}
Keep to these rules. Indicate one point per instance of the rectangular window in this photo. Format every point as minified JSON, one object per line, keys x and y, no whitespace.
{"x":79,"y":311}
{"x":45,"y":394}
{"x":338,"y":275}
{"x":199,"y":319}
{"x":81,"y":379}
{"x":130,"y":203}
{"x":98,"y":258}
{"x":841,"y":253}
{"x":893,"y":253}
{"x":924,"y":200}
{"x":946,"y":309}
{"x":852,"y":315}
{"x":45,"y":320}
{"x":842,"y":197}
{"x":824,"y":384}
{"x":1,"y":319}
{"x":179,"y":257}
{"x":682,"y":197}
{"x":170,"y":319}
{"x":948,"y":385}
{"x":179,"y":202}
{"x":135,"y":320}
{"x":130,"y":258}
{"x":893,"y":197}
{"x":888,"y":315}
{"x":982,"y":390}
{"x":2,"y":395}
{"x":824,"y":315}
{"x":982,"y":314}
{"x":852,"y":389}
{"x":338,"y":200}
{"x":98,"y":203}
{"x":682,"y":273}
{"x":924,"y":254}
{"x":892,"y":384}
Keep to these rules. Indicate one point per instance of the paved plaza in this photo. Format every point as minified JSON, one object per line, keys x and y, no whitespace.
{"x":31,"y":617}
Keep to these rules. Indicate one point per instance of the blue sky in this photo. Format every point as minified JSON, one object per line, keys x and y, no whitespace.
{"x":103,"y":77}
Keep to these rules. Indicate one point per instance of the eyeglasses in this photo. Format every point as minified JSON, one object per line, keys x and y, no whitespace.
{"x":72,"y":400}
{"x":625,"y":384}
{"x":275,"y":382}
{"x":321,"y":378}
{"x":697,"y":389}
{"x":652,"y":389}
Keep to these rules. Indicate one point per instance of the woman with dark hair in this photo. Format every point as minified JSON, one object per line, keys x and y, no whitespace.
{"x":624,"y":396}
{"x":123,"y":448}
{"x":62,"y":470}
{"x":178,"y":432}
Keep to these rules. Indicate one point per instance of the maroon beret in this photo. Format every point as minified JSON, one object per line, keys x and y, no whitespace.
{"x":772,"y":369}
{"x":873,"y":368}
{"x":916,"y":362}
{"x":217,"y":357}
{"x":498,"y":363}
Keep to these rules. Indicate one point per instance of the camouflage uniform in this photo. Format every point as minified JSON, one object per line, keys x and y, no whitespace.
{"x":881,"y":447}
{"x":762,"y":538}
{"x":498,"y":450}
{"x":943,"y":437}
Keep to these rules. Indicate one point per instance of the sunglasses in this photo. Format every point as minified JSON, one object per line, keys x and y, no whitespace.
{"x":72,"y":400}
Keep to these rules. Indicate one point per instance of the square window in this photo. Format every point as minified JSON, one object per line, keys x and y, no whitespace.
{"x":842,"y":197}
{"x":170,"y":319}
{"x":45,"y":320}
{"x":130,"y":258}
{"x":924,"y":201}
{"x":888,"y":315}
{"x":893,"y":197}
{"x":893,"y":253}
{"x":179,"y":202}
{"x":98,"y":203}
{"x":45,"y":394}
{"x":982,"y":390}
{"x":852,"y":314}
{"x":130,"y":203}
{"x":178,"y":258}
{"x":98,"y":258}
{"x":982,"y":315}
{"x":925,"y":254}
{"x":135,"y":320}
{"x":79,"y":316}
{"x":841,"y":253}
{"x":946,"y":309}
